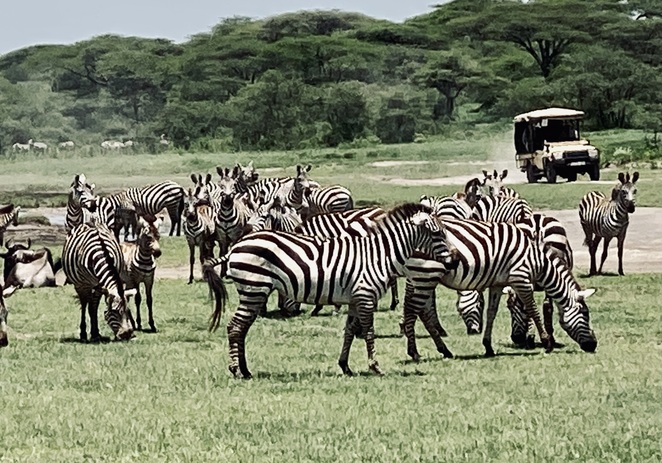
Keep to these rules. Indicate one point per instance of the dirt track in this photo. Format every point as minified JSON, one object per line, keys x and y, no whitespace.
{"x":643,"y":245}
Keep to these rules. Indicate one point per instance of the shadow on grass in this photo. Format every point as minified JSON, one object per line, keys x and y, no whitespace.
{"x":604,"y":274}
{"x":500,"y":354}
{"x":73,"y":340}
{"x":298,"y":376}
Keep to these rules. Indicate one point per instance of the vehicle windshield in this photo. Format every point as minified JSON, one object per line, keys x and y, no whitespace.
{"x":531,"y":136}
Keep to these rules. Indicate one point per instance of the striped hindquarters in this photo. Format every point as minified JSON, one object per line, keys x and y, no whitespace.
{"x":153,"y":199}
{"x":448,"y":207}
{"x":501,"y":209}
{"x":330,"y":199}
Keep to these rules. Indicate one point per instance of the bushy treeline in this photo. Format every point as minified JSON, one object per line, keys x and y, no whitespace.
{"x":325,"y":78}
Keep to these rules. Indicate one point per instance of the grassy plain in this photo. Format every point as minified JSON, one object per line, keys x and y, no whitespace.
{"x":168,"y":396}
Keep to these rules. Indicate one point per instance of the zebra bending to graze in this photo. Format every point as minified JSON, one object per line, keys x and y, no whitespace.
{"x":347,"y":270}
{"x":140,"y":263}
{"x":603,"y":218}
{"x":81,"y":203}
{"x":550,"y":234}
{"x":494,"y":255}
{"x":493,"y":185}
{"x":356,"y":222}
{"x":329,"y":199}
{"x":92,"y":260}
{"x":199,"y":229}
{"x":8,"y":216}
{"x":152,"y":199}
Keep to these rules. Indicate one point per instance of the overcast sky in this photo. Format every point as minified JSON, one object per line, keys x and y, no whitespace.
{"x":31,"y":22}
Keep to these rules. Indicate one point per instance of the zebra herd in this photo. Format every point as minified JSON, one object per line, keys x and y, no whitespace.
{"x":310,"y":244}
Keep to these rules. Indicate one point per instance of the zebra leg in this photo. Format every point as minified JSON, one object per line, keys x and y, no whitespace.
{"x":621,"y":242}
{"x":492,"y":308}
{"x":431,"y":322}
{"x":238,"y":329}
{"x":139,"y":299}
{"x":394,"y":293}
{"x":548,"y":315}
{"x":316,"y":310}
{"x":288,"y":307}
{"x":92,"y":309}
{"x":365,"y":309}
{"x":408,"y":321}
{"x":149,"y":283}
{"x":84,"y":301}
{"x":525,"y":292}
{"x":593,"y":249}
{"x":605,"y":250}
{"x":191,"y":260}
{"x":336,"y":309}
{"x":352,"y":327}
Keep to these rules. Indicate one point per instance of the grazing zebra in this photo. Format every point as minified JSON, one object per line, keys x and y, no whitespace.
{"x":329,"y":199}
{"x":602,"y":218}
{"x":8,"y":216}
{"x":493,"y":185}
{"x":81,"y":203}
{"x":92,"y":260}
{"x":346,"y":270}
{"x":140,"y":264}
{"x":495,"y":255}
{"x":356,"y":222}
{"x":152,"y":199}
{"x":199,"y":229}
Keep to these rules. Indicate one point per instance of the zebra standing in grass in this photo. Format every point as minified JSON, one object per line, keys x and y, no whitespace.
{"x":92,"y":260}
{"x":140,"y":264}
{"x":347,"y":270}
{"x":495,"y":255}
{"x":81,"y":203}
{"x":602,"y":218}
{"x":152,"y":199}
{"x":8,"y":216}
{"x":199,"y":229}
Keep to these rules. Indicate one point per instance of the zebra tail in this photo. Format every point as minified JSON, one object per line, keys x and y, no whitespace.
{"x":57,"y":265}
{"x":216,"y":289}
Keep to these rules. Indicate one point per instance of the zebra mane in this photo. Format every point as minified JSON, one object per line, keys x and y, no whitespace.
{"x":403,"y":211}
{"x":112,"y":265}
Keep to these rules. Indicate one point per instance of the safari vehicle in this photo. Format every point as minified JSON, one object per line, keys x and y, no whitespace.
{"x":548,"y":144}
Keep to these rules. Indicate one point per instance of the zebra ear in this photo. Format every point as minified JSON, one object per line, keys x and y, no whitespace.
{"x":219,"y":170}
{"x":208,"y":178}
{"x":621,"y":177}
{"x":504,"y":174}
{"x":485,"y":173}
{"x":581,"y":295}
{"x":194,"y":179}
{"x":425,"y":200}
{"x":635,"y":177}
{"x":250,"y":163}
{"x":308,"y":168}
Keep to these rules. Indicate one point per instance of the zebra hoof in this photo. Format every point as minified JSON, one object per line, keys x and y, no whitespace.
{"x":531,"y":342}
{"x":489,"y":352}
{"x":344,"y":366}
{"x":415,"y":356}
{"x":549,"y":345}
{"x":374,"y":367}
{"x":443,"y":333}
{"x":446,"y":354}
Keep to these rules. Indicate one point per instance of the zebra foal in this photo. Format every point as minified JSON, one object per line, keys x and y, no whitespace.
{"x":92,"y":260}
{"x":603,"y":218}
{"x":346,"y":270}
{"x":199,"y":229}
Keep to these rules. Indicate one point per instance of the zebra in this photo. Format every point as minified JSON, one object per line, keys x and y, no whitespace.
{"x":356,"y":222}
{"x":448,"y":206}
{"x":199,"y":229}
{"x":116,"y":211}
{"x":246,"y":174}
{"x":81,"y":203}
{"x":8,"y":216}
{"x":345,"y":270}
{"x":92,"y":260}
{"x":140,"y":264}
{"x":605,"y":219}
{"x":493,"y":185}
{"x":274,"y":216}
{"x":329,"y":199}
{"x":495,"y":255}
{"x":291,"y":191}
{"x":152,"y":199}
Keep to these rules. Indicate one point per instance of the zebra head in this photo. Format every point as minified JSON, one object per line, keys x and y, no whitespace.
{"x":228,"y":181}
{"x":302,"y":180}
{"x":191,"y":202}
{"x":434,"y":242}
{"x":470,"y":305}
{"x":149,"y":235}
{"x":519,"y":320}
{"x":493,"y":182}
{"x":473,"y":191}
{"x":81,"y":193}
{"x":575,"y":320}
{"x":117,"y":314}
{"x":246,"y":174}
{"x":4,"y":341}
{"x":625,"y":192}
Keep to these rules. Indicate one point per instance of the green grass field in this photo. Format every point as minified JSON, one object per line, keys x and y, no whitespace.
{"x":168,"y":397}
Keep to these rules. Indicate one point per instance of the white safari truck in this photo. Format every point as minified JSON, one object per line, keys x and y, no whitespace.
{"x":548,"y":144}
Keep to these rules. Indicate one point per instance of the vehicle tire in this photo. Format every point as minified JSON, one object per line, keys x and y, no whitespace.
{"x":572,"y":176}
{"x":550,"y":173}
{"x":594,"y":172}
{"x":530,"y":173}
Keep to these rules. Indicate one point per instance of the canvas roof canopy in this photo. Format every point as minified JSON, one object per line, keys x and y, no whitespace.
{"x":549,"y":113}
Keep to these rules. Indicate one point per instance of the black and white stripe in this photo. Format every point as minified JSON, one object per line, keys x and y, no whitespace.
{"x":199,"y":229}
{"x":604,"y":218}
{"x":501,"y":209}
{"x":81,"y":203}
{"x":92,"y":260}
{"x":150,"y":200}
{"x":327,"y":200}
{"x":347,"y":270}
